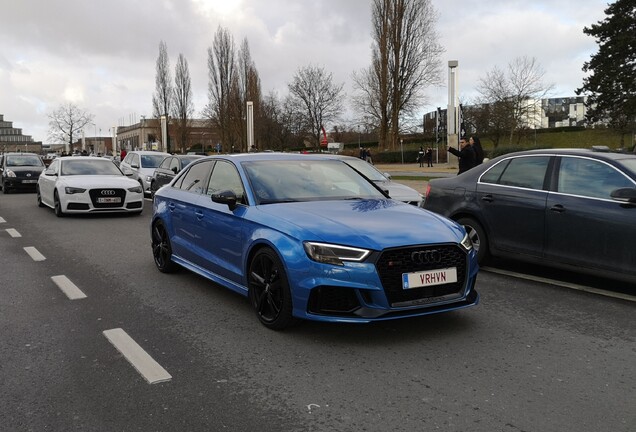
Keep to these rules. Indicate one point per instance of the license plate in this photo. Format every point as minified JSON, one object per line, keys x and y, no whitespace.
{"x":29,"y":181}
{"x":429,"y":278}
{"x":108,"y":200}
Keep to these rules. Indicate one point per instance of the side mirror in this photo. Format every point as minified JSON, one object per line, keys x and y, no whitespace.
{"x":135,"y":165}
{"x":625,"y":194}
{"x":387,"y":175}
{"x":225,"y":197}
{"x":127,"y":171}
{"x":49,"y":172}
{"x":175,"y":170}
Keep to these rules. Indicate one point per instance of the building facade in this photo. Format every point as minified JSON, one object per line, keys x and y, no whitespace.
{"x":12,"y":139}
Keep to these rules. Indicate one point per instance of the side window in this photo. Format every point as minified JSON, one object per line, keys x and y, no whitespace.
{"x":165,"y":164}
{"x":590,"y":178}
{"x":174,"y":165}
{"x":525,"y":172}
{"x":194,"y":179}
{"x":225,"y":177}
{"x":494,"y":174}
{"x":135,"y":160}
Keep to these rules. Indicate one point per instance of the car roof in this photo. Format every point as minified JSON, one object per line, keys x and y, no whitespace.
{"x":265,"y":156}
{"x":587,"y":152}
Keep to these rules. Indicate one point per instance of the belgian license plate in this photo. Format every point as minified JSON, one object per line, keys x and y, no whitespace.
{"x":429,"y":278}
{"x":108,"y":200}
{"x":29,"y":181}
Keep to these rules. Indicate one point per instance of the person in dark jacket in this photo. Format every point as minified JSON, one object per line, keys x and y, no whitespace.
{"x":479,"y":151}
{"x":466,"y":155}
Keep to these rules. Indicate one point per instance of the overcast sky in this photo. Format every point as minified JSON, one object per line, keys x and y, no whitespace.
{"x":101,"y":55}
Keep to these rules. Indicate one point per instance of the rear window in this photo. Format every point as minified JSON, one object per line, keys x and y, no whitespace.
{"x":526,"y":172}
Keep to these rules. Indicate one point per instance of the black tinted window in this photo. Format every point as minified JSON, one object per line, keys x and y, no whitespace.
{"x":494,"y":174}
{"x":525,"y":172}
{"x":590,"y":178}
{"x":194,"y":179}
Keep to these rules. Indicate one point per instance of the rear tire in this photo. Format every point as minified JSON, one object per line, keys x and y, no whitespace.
{"x":478,"y":236}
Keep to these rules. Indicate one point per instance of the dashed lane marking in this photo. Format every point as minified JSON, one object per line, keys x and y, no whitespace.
{"x":2,"y":220}
{"x":144,"y":364}
{"x":69,"y":288}
{"x":13,"y":232}
{"x":34,"y":253}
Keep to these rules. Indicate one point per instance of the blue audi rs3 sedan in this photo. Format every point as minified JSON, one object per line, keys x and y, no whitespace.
{"x":307,"y":237}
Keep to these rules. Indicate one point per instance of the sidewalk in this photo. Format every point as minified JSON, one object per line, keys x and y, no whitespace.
{"x":414,"y":170}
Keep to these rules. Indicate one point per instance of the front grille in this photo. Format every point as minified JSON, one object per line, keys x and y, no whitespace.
{"x":394,"y":262}
{"x":96,"y":194}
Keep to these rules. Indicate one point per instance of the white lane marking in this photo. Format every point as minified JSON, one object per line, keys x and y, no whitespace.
{"x":69,"y":288}
{"x":137,"y":357}
{"x":2,"y":220}
{"x":562,"y":284}
{"x":13,"y":232}
{"x":34,"y":253}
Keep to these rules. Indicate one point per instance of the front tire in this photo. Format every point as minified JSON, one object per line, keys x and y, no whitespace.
{"x":478,"y":236}
{"x":269,"y":291}
{"x":57,"y":205}
{"x":39,"y":197}
{"x":162,"y":249}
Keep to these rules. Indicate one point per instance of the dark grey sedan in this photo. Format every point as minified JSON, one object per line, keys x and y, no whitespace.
{"x":568,"y":208}
{"x":168,"y":169}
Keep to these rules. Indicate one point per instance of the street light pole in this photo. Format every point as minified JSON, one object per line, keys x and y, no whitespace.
{"x":402,"y":149}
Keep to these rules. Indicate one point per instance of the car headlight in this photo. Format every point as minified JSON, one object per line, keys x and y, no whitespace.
{"x":10,"y":173}
{"x":334,"y":254}
{"x":136,"y":189}
{"x":148,"y":179}
{"x":73,"y":190}
{"x":466,"y":242}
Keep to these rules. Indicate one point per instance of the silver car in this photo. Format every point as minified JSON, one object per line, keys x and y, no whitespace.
{"x":142,"y":164}
{"x":397,"y":191}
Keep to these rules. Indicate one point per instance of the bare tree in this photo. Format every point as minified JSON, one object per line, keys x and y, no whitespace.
{"x":66,"y":121}
{"x":515,"y":96}
{"x":315,"y":95}
{"x":249,"y":89}
{"x":162,"y":99}
{"x":182,"y":106}
{"x":222,"y":85}
{"x":405,"y":60}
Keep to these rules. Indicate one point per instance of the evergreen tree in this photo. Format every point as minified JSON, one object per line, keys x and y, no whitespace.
{"x":611,"y":84}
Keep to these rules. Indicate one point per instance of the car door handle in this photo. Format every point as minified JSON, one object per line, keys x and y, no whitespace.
{"x":171,"y":206}
{"x":199,"y":214}
{"x":487,"y":198}
{"x":558,"y":208}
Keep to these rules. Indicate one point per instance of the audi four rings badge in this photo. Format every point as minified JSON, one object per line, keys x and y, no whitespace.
{"x":426,"y":257}
{"x":108,"y":192}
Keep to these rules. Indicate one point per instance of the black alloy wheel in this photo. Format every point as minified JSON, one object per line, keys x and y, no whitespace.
{"x":477,"y":235}
{"x":161,"y":249}
{"x":269,"y":290}
{"x":57,"y":205}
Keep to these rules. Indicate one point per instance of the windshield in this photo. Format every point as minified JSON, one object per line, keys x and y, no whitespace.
{"x":302,"y":180}
{"x":24,"y":160}
{"x":152,"y":161}
{"x":366,"y":169}
{"x":72,"y":167}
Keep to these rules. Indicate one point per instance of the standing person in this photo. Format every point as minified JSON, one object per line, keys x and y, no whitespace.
{"x":429,"y":157}
{"x":479,"y":151}
{"x":368,"y":157}
{"x":420,"y":156}
{"x":122,"y":155}
{"x":466,"y":155}
{"x":363,"y":153}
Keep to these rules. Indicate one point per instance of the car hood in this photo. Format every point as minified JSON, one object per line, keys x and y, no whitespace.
{"x":372,"y":224}
{"x":399,"y":191}
{"x":26,"y":169}
{"x":91,"y":182}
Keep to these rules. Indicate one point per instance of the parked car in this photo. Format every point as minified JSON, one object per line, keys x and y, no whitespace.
{"x":88,"y":185}
{"x":395,"y":190}
{"x":168,"y":169}
{"x":567,"y":208}
{"x":309,"y":237}
{"x":19,"y":171}
{"x":142,"y":164}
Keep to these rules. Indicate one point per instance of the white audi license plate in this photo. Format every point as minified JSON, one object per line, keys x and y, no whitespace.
{"x":429,"y":278}
{"x":108,"y":200}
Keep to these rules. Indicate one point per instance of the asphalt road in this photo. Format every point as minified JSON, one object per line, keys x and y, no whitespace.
{"x":531,"y":357}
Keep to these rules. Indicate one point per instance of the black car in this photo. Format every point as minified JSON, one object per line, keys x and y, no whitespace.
{"x":20,"y":171}
{"x":568,"y":208}
{"x":169,"y":168}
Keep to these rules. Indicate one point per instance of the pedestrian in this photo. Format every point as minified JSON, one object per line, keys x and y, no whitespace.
{"x":363,"y":153}
{"x":479,"y":151}
{"x":429,"y":157}
{"x":466,"y":155}
{"x":368,"y":156}
{"x":420,"y":156}
{"x":122,"y":155}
